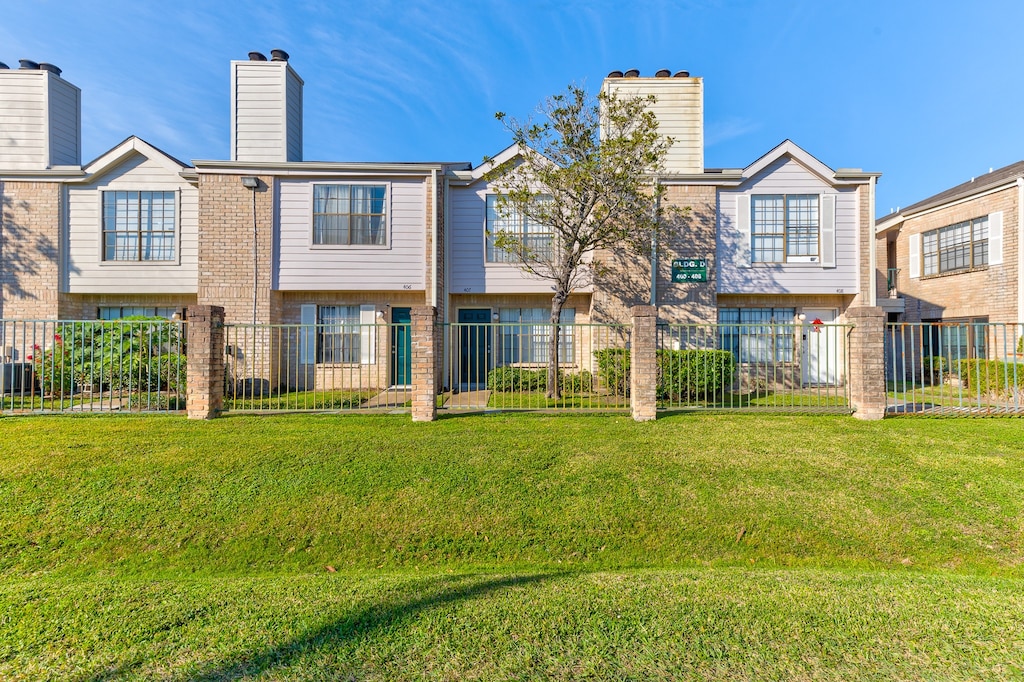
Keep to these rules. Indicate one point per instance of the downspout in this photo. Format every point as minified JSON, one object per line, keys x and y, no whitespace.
{"x":445,"y":293}
{"x":654,"y":243}
{"x":1020,"y":251}
{"x":434,"y":236}
{"x":872,"y":250}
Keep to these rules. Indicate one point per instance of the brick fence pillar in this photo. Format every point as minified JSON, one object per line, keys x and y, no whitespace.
{"x":867,"y":361}
{"x":205,"y":329}
{"x":425,"y":351}
{"x":643,"y":363}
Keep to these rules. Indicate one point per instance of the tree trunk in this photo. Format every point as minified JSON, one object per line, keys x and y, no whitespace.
{"x":554,"y":389}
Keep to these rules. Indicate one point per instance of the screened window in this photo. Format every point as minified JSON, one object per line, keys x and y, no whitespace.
{"x":345,"y":215}
{"x":526,"y":335}
{"x":138,"y":226}
{"x":535,"y":237}
{"x":784,"y":227}
{"x":337,"y":333}
{"x":757,"y":334}
{"x":117,"y":312}
{"x":955,"y":247}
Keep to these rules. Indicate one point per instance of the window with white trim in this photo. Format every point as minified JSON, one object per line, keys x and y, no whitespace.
{"x":757,"y":334}
{"x":108,"y":312}
{"x":535,"y":237}
{"x":347,"y":215}
{"x":784,"y":228}
{"x":526,"y":335}
{"x":337,"y":334}
{"x":139,"y":226}
{"x":955,"y":247}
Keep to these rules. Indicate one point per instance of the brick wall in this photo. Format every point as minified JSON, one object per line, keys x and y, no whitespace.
{"x":989,"y":290}
{"x":30,"y":221}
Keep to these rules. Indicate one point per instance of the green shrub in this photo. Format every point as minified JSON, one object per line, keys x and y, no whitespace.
{"x":613,"y":370}
{"x":577,"y":382}
{"x":991,"y":377}
{"x":935,"y":364}
{"x":688,"y":374}
{"x":517,"y":379}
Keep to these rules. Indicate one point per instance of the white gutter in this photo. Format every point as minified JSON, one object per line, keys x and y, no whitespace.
{"x":433,"y":238}
{"x":1020,"y":251}
{"x":872,"y":250}
{"x":447,"y":296}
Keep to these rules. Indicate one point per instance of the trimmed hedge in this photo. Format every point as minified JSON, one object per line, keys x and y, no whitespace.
{"x":682,"y":374}
{"x":522,"y":380}
{"x":991,"y":377}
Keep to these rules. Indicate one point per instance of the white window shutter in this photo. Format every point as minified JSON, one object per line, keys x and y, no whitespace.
{"x":368,"y":335}
{"x":307,"y":334}
{"x":995,"y":238}
{"x":915,"y":256}
{"x":742,"y":254}
{"x":828,"y":230}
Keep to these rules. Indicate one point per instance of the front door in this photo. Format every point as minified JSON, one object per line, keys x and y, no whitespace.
{"x":822,"y":348}
{"x":401,"y":346}
{"x":474,"y":348}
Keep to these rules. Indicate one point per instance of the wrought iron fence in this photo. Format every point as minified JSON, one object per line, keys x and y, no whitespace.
{"x":92,"y":366}
{"x":761,"y":367}
{"x":338,"y":366}
{"x":955,"y":368}
{"x":504,"y":366}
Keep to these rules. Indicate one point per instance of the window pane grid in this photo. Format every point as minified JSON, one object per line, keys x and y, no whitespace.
{"x":525,"y":335}
{"x":345,"y":215}
{"x":757,"y":334}
{"x":138,"y":226}
{"x":955,"y":247}
{"x":337,"y":334}
{"x":536,"y":238}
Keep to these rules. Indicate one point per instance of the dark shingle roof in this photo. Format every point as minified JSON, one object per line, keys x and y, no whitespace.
{"x":974,"y":186}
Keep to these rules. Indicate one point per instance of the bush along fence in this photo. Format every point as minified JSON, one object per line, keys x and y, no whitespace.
{"x":426,"y":367}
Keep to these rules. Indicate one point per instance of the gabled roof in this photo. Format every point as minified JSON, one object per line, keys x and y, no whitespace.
{"x":790,"y":148}
{"x":133,"y":145}
{"x":977,"y":185}
{"x":504,"y":156}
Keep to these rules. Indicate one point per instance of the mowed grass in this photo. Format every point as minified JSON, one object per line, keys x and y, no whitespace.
{"x":510,"y":547}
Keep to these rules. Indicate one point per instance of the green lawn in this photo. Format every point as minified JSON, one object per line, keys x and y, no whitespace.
{"x":510,"y":546}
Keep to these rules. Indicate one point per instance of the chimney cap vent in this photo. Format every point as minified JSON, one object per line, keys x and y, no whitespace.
{"x":681,"y":74}
{"x":632,"y":73}
{"x":28,"y":64}
{"x":663,"y":73}
{"x":4,"y":66}
{"x":257,"y":56}
{"x":44,"y":66}
{"x":278,"y":56}
{"x":615,"y":74}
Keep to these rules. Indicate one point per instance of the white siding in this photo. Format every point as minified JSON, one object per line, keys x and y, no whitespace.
{"x":399,"y":266}
{"x":23,"y":119}
{"x":266,"y":105}
{"x":65,"y":123}
{"x":86,"y":273}
{"x":680,"y":112}
{"x":787,"y":176}
{"x":470,"y":273}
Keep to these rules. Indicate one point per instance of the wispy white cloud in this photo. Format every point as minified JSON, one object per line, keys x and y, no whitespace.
{"x":723,"y":130}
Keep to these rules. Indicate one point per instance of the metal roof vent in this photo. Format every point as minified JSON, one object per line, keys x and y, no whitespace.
{"x":632,"y":73}
{"x":257,"y":57}
{"x":278,"y":56}
{"x":615,"y":74}
{"x":43,"y":66}
{"x":663,"y":73}
{"x":4,"y":66}
{"x":28,"y":64}
{"x":681,"y":74}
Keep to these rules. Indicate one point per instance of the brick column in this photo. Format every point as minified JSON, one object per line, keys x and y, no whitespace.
{"x":205,"y":325}
{"x":867,"y":361}
{"x":643,"y":363}
{"x":425,"y":352}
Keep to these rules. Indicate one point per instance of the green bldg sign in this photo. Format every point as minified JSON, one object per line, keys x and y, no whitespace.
{"x":689,"y":270}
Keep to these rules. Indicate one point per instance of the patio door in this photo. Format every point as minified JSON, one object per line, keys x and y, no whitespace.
{"x":401,"y":346}
{"x":474,"y":348}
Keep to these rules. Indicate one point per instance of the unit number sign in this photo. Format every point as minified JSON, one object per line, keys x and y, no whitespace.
{"x":690,"y":270}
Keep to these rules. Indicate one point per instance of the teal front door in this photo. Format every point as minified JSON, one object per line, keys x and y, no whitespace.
{"x":401,"y":346}
{"x":474,"y":348}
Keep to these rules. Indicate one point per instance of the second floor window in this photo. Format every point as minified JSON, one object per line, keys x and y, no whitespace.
{"x":138,"y":226}
{"x":784,"y":227}
{"x":345,"y":215}
{"x":535,"y":237}
{"x":955,"y":247}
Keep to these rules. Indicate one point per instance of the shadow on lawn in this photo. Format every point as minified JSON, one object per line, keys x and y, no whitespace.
{"x":362,"y":623}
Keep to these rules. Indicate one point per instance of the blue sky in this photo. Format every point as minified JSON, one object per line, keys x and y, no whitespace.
{"x":927,"y":93}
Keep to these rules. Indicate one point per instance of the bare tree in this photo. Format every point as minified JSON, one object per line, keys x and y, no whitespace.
{"x":584,"y":182}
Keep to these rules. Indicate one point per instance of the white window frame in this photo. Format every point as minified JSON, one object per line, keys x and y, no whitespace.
{"x":386,"y":215}
{"x":492,"y":254}
{"x":931,"y":246}
{"x":313,"y":329}
{"x":101,"y":241}
{"x":786,"y":228}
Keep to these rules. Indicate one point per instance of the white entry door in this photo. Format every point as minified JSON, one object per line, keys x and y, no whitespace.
{"x":822,"y":348}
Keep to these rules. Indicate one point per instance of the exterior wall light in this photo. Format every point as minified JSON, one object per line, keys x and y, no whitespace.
{"x":250,"y":182}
